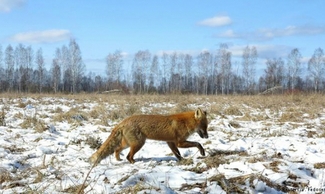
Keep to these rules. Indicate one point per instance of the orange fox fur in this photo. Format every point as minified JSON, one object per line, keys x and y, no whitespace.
{"x":174,"y":129}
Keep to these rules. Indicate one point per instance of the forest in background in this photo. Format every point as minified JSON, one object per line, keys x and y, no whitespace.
{"x":23,"y":70}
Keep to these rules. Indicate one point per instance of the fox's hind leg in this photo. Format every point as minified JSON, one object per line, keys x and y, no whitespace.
{"x":175,"y":150}
{"x":134,"y":148}
{"x":118,"y":150}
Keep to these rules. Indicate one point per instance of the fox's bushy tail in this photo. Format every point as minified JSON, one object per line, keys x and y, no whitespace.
{"x":108,"y":147}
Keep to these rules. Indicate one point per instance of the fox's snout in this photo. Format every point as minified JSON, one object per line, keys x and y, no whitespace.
{"x":203,"y":134}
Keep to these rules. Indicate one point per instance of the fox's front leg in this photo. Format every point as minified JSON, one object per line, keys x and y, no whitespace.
{"x":175,"y":150}
{"x":189,"y":144}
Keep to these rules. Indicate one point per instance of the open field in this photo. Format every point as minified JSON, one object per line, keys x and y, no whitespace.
{"x":268,"y":144}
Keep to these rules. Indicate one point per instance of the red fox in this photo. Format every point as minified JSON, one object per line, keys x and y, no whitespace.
{"x":174,"y":129}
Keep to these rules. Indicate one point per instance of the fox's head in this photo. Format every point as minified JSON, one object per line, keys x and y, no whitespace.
{"x":201,"y":128}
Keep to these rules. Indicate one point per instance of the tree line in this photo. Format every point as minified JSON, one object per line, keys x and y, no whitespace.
{"x":23,"y":70}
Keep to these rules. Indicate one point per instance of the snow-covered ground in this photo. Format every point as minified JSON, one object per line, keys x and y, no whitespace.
{"x":43,"y":149}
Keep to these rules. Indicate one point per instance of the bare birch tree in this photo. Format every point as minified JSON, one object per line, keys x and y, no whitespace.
{"x":10,"y":67}
{"x":76,"y":65}
{"x":64,"y":63}
{"x":140,"y":67}
{"x":20,"y":62}
{"x":2,"y":75}
{"x":293,"y":67}
{"x":274,"y":72}
{"x":316,"y":67}
{"x":224,"y":61}
{"x":154,"y":73}
{"x":165,"y":87}
{"x":114,"y":62}
{"x":248,"y":63}
{"x":29,"y":67}
{"x":205,"y":66}
{"x":56,"y":74}
{"x":40,"y":69}
{"x":1,"y":57}
{"x":174,"y":76}
{"x":188,"y":64}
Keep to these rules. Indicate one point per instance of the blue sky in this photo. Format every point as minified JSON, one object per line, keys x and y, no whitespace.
{"x":100,"y":27}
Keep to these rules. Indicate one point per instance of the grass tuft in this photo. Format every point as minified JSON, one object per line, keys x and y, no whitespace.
{"x":5,"y":176}
{"x":93,"y":142}
{"x":320,"y":165}
{"x":32,"y":122}
{"x":3,"y":117}
{"x":233,"y":110}
{"x":74,"y":115}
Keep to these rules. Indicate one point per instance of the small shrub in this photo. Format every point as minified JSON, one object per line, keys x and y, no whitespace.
{"x":233,"y":110}
{"x":291,"y":116}
{"x":98,"y":111}
{"x":319,"y":165}
{"x":116,"y":115}
{"x":104,"y":120}
{"x":187,"y":186}
{"x":234,"y":124}
{"x":2,"y":117}
{"x":22,"y":105}
{"x":132,"y":109}
{"x":75,"y":189}
{"x":140,"y":186}
{"x":15,"y":149}
{"x":73,"y":115}
{"x":33,"y":122}
{"x":186,"y":161}
{"x":126,"y":177}
{"x":198,"y":168}
{"x":58,"y":110}
{"x":180,"y":107}
{"x":93,"y":142}
{"x":322,"y":135}
{"x":5,"y":176}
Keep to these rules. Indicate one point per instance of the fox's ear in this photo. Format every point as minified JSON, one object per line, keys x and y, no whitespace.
{"x":199,"y":113}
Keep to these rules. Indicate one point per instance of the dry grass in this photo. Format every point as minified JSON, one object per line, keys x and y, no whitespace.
{"x":319,"y":165}
{"x":35,"y":123}
{"x":5,"y":176}
{"x":232,"y":105}
{"x":72,"y":116}
{"x":137,"y":188}
{"x":3,"y":117}
{"x":94,"y":143}
{"x":235,"y":184}
{"x":233,"y":110}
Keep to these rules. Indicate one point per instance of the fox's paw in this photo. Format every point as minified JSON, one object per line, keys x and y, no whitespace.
{"x":202,"y":152}
{"x":199,"y":146}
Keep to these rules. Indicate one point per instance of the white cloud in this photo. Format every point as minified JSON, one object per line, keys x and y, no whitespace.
{"x":216,"y":21}
{"x":273,"y":51}
{"x":269,"y":34}
{"x":8,"y":5}
{"x":264,"y":51}
{"x":290,"y":31}
{"x":228,"y":34}
{"x":125,"y":54}
{"x":46,"y":36}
